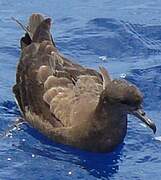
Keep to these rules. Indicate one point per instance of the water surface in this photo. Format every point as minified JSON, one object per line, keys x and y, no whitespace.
{"x":125,"y":37}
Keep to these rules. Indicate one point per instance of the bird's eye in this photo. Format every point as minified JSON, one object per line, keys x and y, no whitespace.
{"x":127,"y":102}
{"x":124,"y":102}
{"x":130,"y":103}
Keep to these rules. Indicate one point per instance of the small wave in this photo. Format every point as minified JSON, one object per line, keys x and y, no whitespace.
{"x":107,"y":23}
{"x":9,"y":107}
{"x":114,"y":38}
{"x":148,"y":81}
{"x":9,"y":50}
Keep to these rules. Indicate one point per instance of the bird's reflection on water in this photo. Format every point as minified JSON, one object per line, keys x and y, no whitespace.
{"x":98,"y":165}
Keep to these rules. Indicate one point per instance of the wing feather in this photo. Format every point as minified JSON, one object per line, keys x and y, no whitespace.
{"x":53,"y":86}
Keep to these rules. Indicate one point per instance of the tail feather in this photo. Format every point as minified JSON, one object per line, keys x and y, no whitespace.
{"x":42,"y":32}
{"x":34,"y":21}
{"x":37,"y":30}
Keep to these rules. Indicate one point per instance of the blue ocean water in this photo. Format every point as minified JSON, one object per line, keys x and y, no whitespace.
{"x":125,"y":37}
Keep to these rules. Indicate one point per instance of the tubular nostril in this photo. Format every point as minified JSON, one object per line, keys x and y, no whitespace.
{"x":141,"y":112}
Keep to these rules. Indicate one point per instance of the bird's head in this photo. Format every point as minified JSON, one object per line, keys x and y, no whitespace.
{"x":126,"y":96}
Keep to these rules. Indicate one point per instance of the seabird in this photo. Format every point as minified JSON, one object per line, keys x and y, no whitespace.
{"x":67,"y":102}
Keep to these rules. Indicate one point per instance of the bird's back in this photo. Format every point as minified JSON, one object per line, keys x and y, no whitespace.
{"x":51,"y":90}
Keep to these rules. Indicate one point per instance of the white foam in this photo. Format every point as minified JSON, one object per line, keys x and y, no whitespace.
{"x":103,"y":58}
{"x":123,"y":75}
{"x":144,"y":125}
{"x":9,"y":134}
{"x":158,"y":138}
{"x":33,"y":155}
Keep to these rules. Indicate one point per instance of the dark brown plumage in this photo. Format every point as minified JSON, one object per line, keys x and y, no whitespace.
{"x":67,"y":102}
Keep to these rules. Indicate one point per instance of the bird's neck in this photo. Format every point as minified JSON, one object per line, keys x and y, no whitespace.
{"x":111,"y":125}
{"x":110,"y":114}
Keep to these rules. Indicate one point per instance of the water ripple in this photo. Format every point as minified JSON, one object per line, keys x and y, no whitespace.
{"x":113,"y":38}
{"x":123,"y":36}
